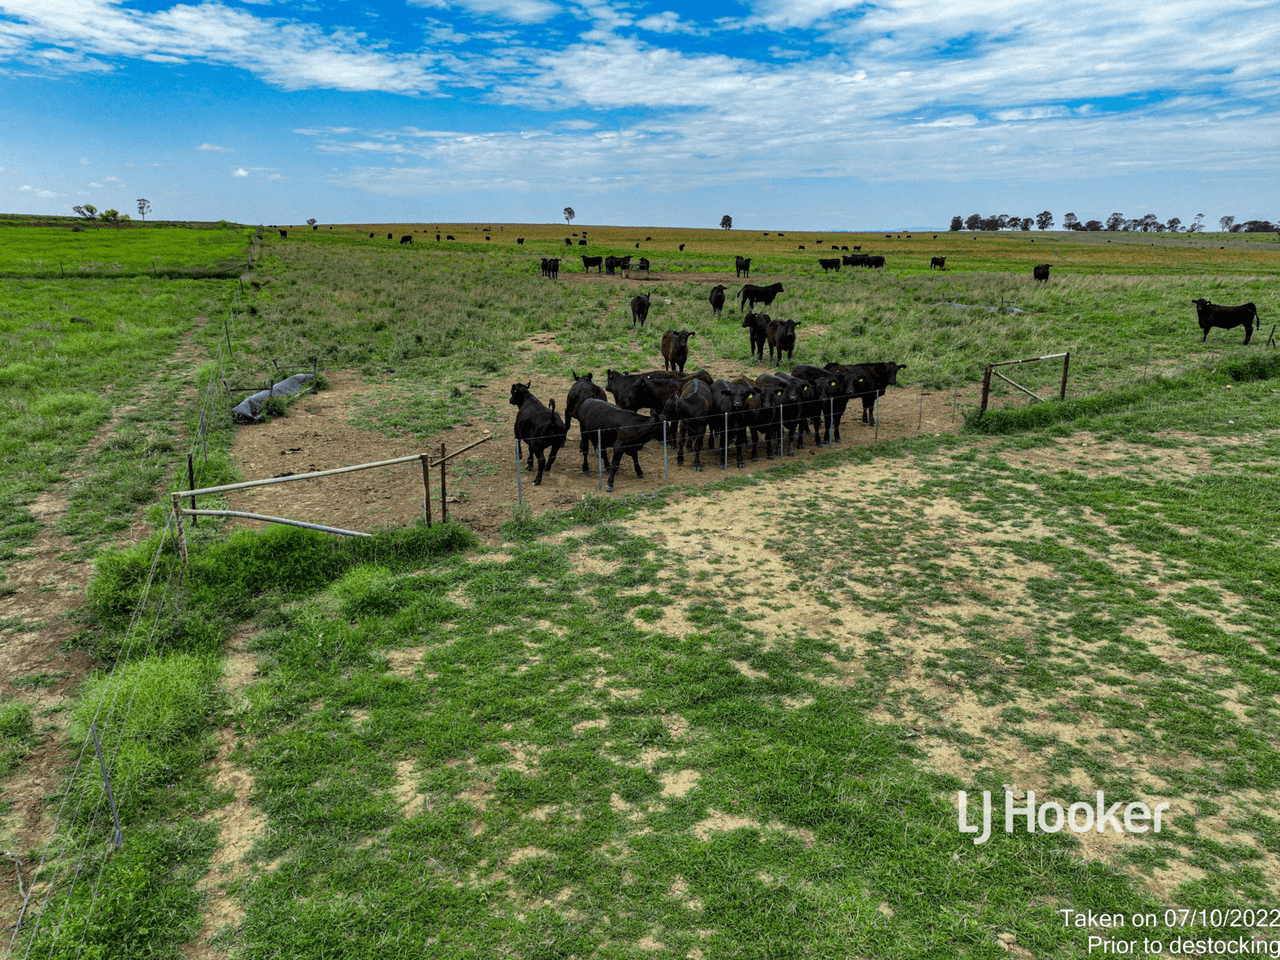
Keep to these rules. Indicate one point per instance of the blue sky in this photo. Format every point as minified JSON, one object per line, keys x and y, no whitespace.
{"x":784,"y":114}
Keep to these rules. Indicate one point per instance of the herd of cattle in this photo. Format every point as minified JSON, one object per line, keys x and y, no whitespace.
{"x":780,"y":407}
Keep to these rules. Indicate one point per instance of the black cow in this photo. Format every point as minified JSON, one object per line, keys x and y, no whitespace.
{"x":1216,"y":315}
{"x":780,"y":404}
{"x":876,"y":377}
{"x":751,"y":295}
{"x":583,"y":389}
{"x":639,"y":309}
{"x":675,"y":349}
{"x":855,"y":260}
{"x":589,"y":262}
{"x":758,"y":325}
{"x":643,"y":265}
{"x":612,"y":264}
{"x":391,"y":236}
{"x":803,"y":407}
{"x":717,"y":299}
{"x":551,"y":267}
{"x":284,"y":234}
{"x":631,"y":391}
{"x":691,"y":408}
{"x":568,"y":241}
{"x":519,"y":240}
{"x":781,"y":335}
{"x":447,"y":236}
{"x":938,"y":263}
{"x":370,"y":236}
{"x":835,"y":389}
{"x":1041,"y":272}
{"x":742,"y":266}
{"x":682,"y":246}
{"x":828,"y":265}
{"x":605,"y":425}
{"x":729,"y":421}
{"x":875,"y":262}
{"x":406,"y":239}
{"x":582,"y":243}
{"x":538,"y":426}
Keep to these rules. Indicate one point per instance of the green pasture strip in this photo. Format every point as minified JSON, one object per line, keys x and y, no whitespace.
{"x":136,"y":251}
{"x":713,"y":251}
{"x":162,"y":709}
{"x":62,"y":379}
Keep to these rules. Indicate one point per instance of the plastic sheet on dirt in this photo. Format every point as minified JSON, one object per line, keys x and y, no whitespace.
{"x":246,"y":411}
{"x":969,"y":306}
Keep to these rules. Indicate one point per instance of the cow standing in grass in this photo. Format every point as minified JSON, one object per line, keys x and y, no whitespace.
{"x":1212,"y":315}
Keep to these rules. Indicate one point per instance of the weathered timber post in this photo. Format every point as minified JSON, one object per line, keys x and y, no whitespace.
{"x":426,"y":486}
{"x":444,"y":503}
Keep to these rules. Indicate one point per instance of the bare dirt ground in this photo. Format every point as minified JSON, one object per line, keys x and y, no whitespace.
{"x":318,"y":435}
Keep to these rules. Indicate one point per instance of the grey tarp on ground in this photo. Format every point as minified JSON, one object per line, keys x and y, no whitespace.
{"x":246,"y":411}
{"x":967,"y":306}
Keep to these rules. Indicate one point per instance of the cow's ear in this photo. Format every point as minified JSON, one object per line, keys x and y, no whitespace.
{"x":692,"y":334}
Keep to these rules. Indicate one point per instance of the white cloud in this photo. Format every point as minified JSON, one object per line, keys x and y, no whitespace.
{"x":519,"y":11}
{"x":239,"y":172}
{"x":213,"y":148}
{"x":666,"y":22}
{"x":286,"y":53}
{"x":38,"y":191}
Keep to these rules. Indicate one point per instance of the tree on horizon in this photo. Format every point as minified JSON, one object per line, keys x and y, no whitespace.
{"x":569,"y":215}
{"x":726,"y":222}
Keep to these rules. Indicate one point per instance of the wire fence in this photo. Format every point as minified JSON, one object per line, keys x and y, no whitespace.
{"x":53,"y":912}
{"x":726,"y":439}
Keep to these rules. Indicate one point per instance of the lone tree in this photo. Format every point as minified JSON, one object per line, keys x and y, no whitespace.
{"x":1044,"y":220}
{"x":88,"y":212}
{"x":1198,"y":226}
{"x":957,"y":223}
{"x":1070,"y":222}
{"x":311,"y":221}
{"x":569,"y":215}
{"x":726,"y":222}
{"x":114,"y":218}
{"x":144,"y":207}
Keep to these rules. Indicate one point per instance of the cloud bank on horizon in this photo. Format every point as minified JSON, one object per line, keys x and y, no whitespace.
{"x":831,"y":113}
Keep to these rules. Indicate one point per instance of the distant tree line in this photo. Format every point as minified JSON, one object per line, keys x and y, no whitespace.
{"x":1117,"y":222}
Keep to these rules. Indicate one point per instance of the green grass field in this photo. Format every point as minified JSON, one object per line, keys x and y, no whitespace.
{"x":729,"y":721}
{"x":156,"y":250}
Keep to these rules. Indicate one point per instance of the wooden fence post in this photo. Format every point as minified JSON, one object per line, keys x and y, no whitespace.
{"x":426,"y":486}
{"x":444,"y":503}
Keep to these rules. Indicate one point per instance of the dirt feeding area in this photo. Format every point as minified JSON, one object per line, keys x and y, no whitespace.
{"x":319,"y":434}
